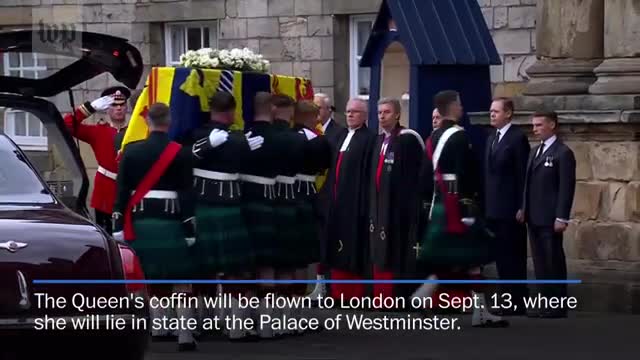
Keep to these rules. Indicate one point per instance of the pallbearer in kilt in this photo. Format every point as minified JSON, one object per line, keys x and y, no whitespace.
{"x":258,"y":196}
{"x":223,"y":248}
{"x":316,"y":160}
{"x":154,"y":208}
{"x":455,"y":239}
{"x":288,"y":229}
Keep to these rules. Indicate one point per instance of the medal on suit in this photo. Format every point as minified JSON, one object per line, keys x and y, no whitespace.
{"x":548,"y":162}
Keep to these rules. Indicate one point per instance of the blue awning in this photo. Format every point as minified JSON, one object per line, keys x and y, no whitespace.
{"x":433,"y":32}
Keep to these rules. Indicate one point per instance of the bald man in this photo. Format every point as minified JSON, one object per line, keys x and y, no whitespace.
{"x":330,"y":128}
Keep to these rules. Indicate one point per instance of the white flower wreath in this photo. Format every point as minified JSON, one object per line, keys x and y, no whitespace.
{"x":234,"y":59}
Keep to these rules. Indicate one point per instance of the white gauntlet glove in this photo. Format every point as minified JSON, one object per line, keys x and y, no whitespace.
{"x":255,"y":142}
{"x":190,"y":241}
{"x":102,"y":103}
{"x":119,"y":236}
{"x":468,"y":221}
{"x":218,"y":137}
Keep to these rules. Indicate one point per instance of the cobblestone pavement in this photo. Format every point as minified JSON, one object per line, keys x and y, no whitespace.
{"x":582,"y":335}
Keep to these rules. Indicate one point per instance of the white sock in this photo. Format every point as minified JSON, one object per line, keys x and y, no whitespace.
{"x":266,"y":331}
{"x":426,"y":290}
{"x":185,"y":336}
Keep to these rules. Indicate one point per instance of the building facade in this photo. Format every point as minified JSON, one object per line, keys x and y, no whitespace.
{"x":324,"y":39}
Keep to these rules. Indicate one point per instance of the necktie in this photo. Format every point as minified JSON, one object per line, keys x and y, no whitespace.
{"x":541,"y":149}
{"x":496,"y":140}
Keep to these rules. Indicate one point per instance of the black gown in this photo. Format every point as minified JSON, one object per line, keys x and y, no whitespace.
{"x":347,"y":234}
{"x":394,"y":203}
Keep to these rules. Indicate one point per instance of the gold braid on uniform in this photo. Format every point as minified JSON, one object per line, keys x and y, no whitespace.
{"x":87,"y":109}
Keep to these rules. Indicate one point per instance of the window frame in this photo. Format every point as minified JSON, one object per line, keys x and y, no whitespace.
{"x":354,"y":58}
{"x":168,"y":45}
{"x":25,"y":142}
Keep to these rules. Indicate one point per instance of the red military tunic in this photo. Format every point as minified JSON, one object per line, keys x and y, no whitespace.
{"x":102,"y":139}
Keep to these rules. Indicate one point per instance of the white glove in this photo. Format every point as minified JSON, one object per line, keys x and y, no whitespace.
{"x":218,"y":137}
{"x":118,"y":235}
{"x":190,"y":241}
{"x":468,"y":221}
{"x":255,"y":142}
{"x":102,"y":103}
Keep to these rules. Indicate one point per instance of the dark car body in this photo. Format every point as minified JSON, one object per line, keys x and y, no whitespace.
{"x":44,"y":236}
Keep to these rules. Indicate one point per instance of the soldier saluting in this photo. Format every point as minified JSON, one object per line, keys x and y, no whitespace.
{"x":105,"y":139}
{"x":154,"y":208}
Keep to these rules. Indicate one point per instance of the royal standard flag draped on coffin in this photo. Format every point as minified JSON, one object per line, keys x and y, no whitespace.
{"x":187,"y":91}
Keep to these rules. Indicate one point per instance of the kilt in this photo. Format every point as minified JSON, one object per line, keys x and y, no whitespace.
{"x":162,"y":250}
{"x":440,"y":248}
{"x":259,"y":219}
{"x":287,"y":231}
{"x":308,"y":238}
{"x":223,"y":243}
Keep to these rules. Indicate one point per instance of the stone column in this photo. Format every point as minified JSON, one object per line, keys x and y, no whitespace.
{"x":620,"y":71}
{"x":569,"y":45}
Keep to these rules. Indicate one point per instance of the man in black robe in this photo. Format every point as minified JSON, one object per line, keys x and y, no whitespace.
{"x":455,"y":240}
{"x":347,"y":237}
{"x":393,"y":199}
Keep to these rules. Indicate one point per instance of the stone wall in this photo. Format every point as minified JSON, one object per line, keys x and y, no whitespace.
{"x":512,"y":24}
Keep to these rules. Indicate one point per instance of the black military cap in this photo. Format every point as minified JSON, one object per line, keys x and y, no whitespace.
{"x":120,"y":94}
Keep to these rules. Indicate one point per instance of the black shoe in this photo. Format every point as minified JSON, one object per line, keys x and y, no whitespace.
{"x":493,"y":324}
{"x":187,"y":347}
{"x":510,"y":312}
{"x":553,"y":315}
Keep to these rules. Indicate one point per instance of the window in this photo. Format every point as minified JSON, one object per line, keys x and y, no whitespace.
{"x":180,"y":37}
{"x":24,"y":128}
{"x":359,"y":29}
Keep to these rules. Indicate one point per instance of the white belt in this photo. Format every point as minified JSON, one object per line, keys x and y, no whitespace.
{"x":257,"y":179}
{"x":107,"y":173}
{"x":214,"y":175}
{"x":160,"y":194}
{"x":448,"y":177}
{"x":286,"y":179}
{"x":307,"y":178}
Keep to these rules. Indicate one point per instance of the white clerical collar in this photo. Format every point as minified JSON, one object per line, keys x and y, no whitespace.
{"x":347,"y":140}
{"x":326,"y":125}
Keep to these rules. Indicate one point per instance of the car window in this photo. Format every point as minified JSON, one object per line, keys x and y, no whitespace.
{"x":43,"y":145}
{"x":18,"y":181}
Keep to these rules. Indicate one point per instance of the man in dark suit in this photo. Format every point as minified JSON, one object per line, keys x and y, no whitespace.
{"x":505,"y":165}
{"x":330,"y":128}
{"x":548,"y":197}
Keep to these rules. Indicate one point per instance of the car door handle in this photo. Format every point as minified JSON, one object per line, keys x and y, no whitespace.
{"x":24,"y":291}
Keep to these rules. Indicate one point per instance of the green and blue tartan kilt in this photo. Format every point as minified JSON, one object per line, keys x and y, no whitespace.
{"x":439,"y":248}
{"x":223,"y":243}
{"x":162,"y":249}
{"x":259,"y":219}
{"x":287,"y":234}
{"x":309,"y":239}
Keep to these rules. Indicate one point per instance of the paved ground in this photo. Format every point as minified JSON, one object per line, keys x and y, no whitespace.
{"x":581,"y":336}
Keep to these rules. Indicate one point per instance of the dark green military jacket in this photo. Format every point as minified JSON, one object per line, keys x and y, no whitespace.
{"x":137,"y":160}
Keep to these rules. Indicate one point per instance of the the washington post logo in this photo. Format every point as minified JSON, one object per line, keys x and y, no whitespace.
{"x":56,"y":29}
